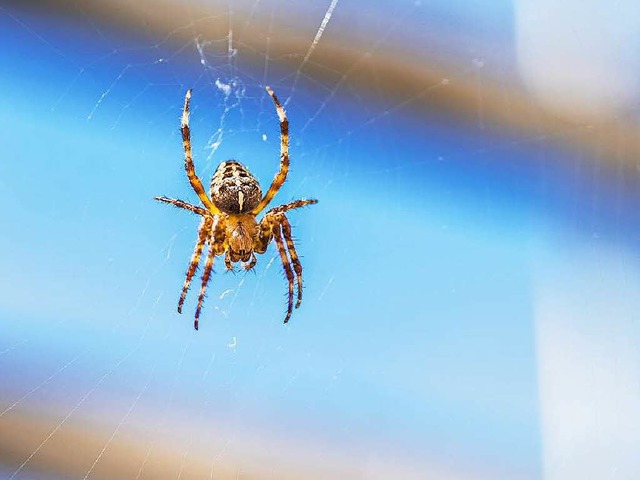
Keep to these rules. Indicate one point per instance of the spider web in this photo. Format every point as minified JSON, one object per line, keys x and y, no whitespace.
{"x":228,"y":92}
{"x":108,"y":381}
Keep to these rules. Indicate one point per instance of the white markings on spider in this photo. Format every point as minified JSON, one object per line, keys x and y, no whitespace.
{"x":240,"y":198}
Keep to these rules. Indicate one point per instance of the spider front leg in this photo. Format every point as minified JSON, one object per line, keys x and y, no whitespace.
{"x":196,"y":184}
{"x":281,"y":176}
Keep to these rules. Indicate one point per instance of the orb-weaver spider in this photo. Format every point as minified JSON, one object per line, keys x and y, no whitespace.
{"x":229,"y":223}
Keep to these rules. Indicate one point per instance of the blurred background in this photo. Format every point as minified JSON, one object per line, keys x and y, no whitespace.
{"x":471,"y":271}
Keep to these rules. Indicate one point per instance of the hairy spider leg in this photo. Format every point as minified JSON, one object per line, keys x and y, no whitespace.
{"x":277,"y":235}
{"x":281,"y":176}
{"x":295,"y":260}
{"x":180,"y":204}
{"x":290,"y":206}
{"x":203,"y":234}
{"x":188,"y":159}
{"x":206,"y":275}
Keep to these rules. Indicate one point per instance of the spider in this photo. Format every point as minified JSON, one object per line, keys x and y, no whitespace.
{"x":229,"y":225}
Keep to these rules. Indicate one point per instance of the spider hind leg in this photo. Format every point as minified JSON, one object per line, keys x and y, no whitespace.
{"x":295,"y":260}
{"x":203,"y":233}
{"x":288,"y":271}
{"x":206,"y":275}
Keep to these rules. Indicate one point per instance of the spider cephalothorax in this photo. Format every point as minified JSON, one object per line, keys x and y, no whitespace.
{"x":229,"y":223}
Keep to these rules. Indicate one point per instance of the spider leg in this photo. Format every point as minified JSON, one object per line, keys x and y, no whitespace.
{"x":292,"y":205}
{"x":188,"y":158}
{"x":180,"y":204}
{"x":206,"y":275}
{"x":295,"y":260}
{"x":203,"y":233}
{"x":281,"y":176}
{"x":287,"y":268}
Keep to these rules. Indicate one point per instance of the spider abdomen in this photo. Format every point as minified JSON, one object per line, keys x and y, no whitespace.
{"x":234,"y":189}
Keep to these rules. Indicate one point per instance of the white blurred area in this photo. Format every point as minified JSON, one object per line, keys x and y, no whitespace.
{"x":588,"y":345}
{"x":580,"y":58}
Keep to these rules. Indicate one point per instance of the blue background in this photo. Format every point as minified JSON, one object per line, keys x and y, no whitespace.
{"x":416,"y":336}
